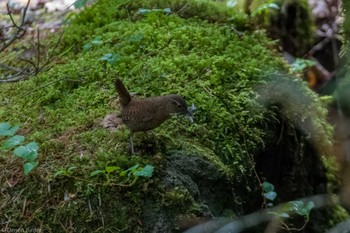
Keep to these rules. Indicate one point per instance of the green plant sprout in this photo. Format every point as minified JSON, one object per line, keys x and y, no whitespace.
{"x":292,"y":207}
{"x":132,"y":174}
{"x":97,"y":41}
{"x":28,"y":152}
{"x":299,"y":65}
{"x":268,"y":193}
{"x":66,"y":172}
{"x":112,"y":59}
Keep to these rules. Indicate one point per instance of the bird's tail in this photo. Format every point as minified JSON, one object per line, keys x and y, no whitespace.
{"x":124,"y":96}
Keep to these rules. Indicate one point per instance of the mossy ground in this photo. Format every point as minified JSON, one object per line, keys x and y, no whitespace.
{"x":205,"y":61}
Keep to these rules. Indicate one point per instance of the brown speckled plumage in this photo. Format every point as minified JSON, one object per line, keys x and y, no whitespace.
{"x":148,"y":113}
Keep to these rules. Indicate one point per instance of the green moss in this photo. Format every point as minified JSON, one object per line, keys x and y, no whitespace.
{"x":202,"y":60}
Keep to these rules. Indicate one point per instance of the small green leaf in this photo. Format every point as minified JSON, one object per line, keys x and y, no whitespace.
{"x":97,"y":40}
{"x":87,"y":47}
{"x":106,"y":57}
{"x":13,"y":141}
{"x":4,"y":127}
{"x":267,"y":187}
{"x":300,"y":65}
{"x":28,"y":152}
{"x":123,"y":173}
{"x":29,"y":166}
{"x":133,"y":168}
{"x":299,"y":207}
{"x":71,"y":168}
{"x":7,"y":130}
{"x":112,"y":59}
{"x":147,"y":171}
{"x":110,"y":169}
{"x":58,"y":173}
{"x":270,"y":195}
{"x":80,"y":3}
{"x":94,"y":173}
{"x":130,"y":170}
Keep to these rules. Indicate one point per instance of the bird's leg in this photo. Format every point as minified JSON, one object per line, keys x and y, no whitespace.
{"x":132,"y":145}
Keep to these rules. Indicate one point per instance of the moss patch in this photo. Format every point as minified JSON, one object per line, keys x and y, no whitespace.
{"x":205,"y":61}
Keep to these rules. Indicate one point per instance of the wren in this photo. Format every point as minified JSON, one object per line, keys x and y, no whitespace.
{"x":148,"y":113}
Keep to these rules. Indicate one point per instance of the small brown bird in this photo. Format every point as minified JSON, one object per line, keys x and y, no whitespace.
{"x":148,"y":113}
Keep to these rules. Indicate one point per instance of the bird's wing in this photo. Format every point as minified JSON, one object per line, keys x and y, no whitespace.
{"x":147,"y":116}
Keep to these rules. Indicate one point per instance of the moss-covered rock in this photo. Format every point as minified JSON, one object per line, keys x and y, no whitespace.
{"x":195,"y":52}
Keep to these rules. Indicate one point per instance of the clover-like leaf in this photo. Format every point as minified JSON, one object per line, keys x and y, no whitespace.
{"x":301,"y":64}
{"x":12,"y":141}
{"x":270,"y":195}
{"x":94,"y":43}
{"x":267,"y":187}
{"x":28,"y":152}
{"x":147,"y":171}
{"x":87,"y":47}
{"x":7,"y":130}
{"x":29,"y":166}
{"x":112,"y":59}
{"x":299,"y":207}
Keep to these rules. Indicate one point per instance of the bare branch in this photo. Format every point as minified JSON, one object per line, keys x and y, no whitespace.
{"x":20,"y":32}
{"x":38,"y":52}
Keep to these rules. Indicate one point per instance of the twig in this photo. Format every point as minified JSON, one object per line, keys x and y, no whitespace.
{"x":23,"y":74}
{"x":10,"y":67}
{"x":38,"y":52}
{"x":181,"y":9}
{"x":24,"y":206}
{"x":17,"y":77}
{"x":53,"y":51}
{"x":20,"y":29}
